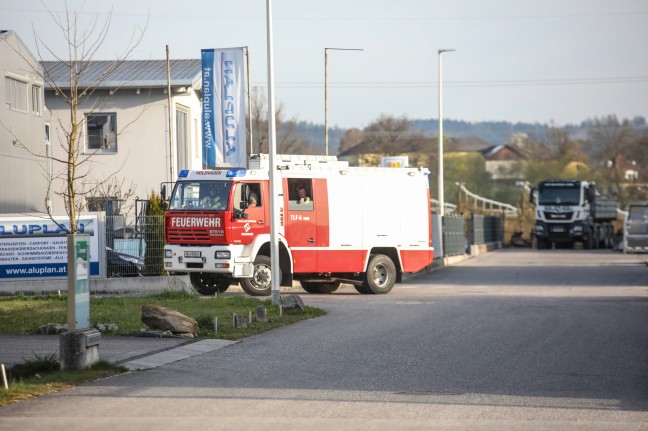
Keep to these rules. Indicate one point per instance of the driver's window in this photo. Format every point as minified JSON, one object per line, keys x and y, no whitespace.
{"x":249,"y":193}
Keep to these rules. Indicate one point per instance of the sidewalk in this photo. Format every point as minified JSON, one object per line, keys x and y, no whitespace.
{"x":132,"y":352}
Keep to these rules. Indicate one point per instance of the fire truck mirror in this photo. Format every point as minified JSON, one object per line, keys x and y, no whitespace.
{"x":163,"y":192}
{"x":241,"y":213}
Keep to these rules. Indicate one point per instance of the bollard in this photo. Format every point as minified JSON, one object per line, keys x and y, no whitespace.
{"x":250,"y":316}
{"x":4,"y":377}
{"x":215,"y":323}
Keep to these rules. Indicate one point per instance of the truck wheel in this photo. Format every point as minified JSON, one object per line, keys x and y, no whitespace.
{"x":260,"y":284}
{"x":542,"y":244}
{"x":325,"y":287}
{"x":381,"y":274}
{"x":362,"y":289}
{"x":209,"y":284}
{"x":588,"y":241}
{"x":328,"y":286}
{"x":308,"y":287}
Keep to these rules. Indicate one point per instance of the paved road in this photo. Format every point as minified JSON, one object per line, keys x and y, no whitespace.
{"x":515,"y":339}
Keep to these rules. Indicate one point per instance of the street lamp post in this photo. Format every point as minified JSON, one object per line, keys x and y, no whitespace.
{"x":441,"y":185}
{"x":326,"y":91}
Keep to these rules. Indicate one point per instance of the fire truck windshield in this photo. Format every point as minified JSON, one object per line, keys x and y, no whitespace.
{"x":200,"y":195}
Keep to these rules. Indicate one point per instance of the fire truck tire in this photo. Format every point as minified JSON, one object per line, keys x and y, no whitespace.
{"x":325,"y":287}
{"x":209,"y":284}
{"x":308,"y":287}
{"x":362,"y":289}
{"x":380,"y":276}
{"x":260,"y":284}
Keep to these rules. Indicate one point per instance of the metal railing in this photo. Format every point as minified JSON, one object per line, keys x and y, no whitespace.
{"x":489,"y":204}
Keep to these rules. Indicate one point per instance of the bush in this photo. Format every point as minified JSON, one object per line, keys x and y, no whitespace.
{"x":31,"y":367}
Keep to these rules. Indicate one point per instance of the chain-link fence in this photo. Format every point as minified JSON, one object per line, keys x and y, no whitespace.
{"x":134,"y":245}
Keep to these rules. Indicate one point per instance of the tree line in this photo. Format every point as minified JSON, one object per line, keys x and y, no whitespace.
{"x":610,"y":151}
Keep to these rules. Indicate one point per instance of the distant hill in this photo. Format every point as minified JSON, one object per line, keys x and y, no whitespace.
{"x":493,"y":132}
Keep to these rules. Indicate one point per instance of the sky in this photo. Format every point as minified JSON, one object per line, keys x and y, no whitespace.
{"x":536,"y":61}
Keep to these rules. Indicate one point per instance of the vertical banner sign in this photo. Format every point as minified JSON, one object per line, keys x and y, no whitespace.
{"x":79,"y":283}
{"x":223,"y":90}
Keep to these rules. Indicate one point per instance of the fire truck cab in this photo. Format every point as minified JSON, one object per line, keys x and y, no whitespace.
{"x":364,"y":226}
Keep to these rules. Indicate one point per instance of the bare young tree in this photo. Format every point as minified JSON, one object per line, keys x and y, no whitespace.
{"x":115,"y":189}
{"x":394,"y":136}
{"x":351,"y":138}
{"x":78,"y":90}
{"x":289,"y":139}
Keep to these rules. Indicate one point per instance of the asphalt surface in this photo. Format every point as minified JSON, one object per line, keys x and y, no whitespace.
{"x":135,"y":353}
{"x":514,"y":340}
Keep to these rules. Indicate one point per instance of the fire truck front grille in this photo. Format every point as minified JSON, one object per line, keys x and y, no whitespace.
{"x":192,"y":237}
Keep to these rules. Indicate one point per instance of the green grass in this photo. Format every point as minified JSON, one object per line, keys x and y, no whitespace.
{"x":24,"y":315}
{"x":42,"y":375}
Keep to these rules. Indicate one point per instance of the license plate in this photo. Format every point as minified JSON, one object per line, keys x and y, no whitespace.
{"x":192,"y":253}
{"x":558,"y":229}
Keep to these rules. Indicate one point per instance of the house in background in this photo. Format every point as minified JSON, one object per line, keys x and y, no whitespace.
{"x":126,"y":121}
{"x":23,"y":121}
{"x":504,"y":162}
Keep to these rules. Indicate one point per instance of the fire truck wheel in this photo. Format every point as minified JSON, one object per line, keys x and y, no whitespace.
{"x":381,"y":274}
{"x":362,"y":289}
{"x":260,"y":284}
{"x":209,"y":284}
{"x":325,"y":287}
{"x":308,"y":286}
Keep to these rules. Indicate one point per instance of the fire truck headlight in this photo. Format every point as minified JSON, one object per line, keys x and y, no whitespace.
{"x":222,"y":255}
{"x":168,"y":254}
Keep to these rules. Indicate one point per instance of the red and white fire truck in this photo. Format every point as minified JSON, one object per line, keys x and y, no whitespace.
{"x":363,"y":226}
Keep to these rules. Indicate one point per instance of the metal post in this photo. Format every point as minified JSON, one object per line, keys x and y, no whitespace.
{"x":326,"y":101}
{"x":326,"y":128}
{"x":440,"y":174}
{"x":168,"y":61}
{"x":275,"y":187}
{"x":247,"y":58}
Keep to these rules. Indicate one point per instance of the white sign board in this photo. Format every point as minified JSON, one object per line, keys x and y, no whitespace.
{"x":34,"y":247}
{"x":394,"y":162}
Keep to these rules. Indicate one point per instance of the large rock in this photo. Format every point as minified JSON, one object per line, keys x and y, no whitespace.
{"x":291,"y":301}
{"x":165,"y":319}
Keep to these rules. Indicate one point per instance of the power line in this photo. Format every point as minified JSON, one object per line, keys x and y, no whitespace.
{"x":464,"y":84}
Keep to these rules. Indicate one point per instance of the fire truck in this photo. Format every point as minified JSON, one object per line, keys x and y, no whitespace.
{"x":366,"y":226}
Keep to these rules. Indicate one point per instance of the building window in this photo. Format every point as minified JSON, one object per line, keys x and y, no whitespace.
{"x":101,"y":133}
{"x":182,"y":138}
{"x":36,"y":100}
{"x":16,"y":94}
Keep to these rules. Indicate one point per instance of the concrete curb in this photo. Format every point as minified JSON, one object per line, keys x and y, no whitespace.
{"x":177,"y":354}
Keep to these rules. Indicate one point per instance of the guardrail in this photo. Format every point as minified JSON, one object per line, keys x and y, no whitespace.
{"x":489,"y":204}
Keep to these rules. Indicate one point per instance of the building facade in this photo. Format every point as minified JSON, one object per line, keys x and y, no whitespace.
{"x":25,"y":148}
{"x":132,"y":134}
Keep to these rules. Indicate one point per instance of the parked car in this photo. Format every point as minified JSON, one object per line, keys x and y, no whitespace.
{"x":127,"y":232}
{"x":122,"y":264}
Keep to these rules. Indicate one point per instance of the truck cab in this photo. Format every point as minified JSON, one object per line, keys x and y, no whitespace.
{"x":571,"y":211}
